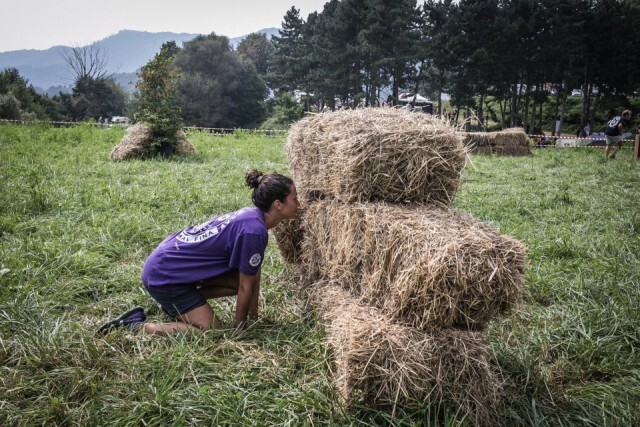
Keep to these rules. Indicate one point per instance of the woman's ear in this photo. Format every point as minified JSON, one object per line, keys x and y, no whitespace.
{"x":277,"y":204}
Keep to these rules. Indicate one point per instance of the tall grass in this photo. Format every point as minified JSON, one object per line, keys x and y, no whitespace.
{"x":75,"y":230}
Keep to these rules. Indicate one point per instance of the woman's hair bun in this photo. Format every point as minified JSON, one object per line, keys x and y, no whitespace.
{"x":253,"y":178}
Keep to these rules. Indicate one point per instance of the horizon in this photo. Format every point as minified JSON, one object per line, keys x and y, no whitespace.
{"x":138,"y":31}
{"x":76,"y":24}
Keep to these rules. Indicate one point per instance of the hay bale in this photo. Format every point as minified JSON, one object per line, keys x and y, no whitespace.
{"x":184,"y":146}
{"x":137,"y":144}
{"x":479,"y":139}
{"x":512,"y":137}
{"x":508,"y":142}
{"x":289,"y":235}
{"x":376,"y":154}
{"x":424,"y":266}
{"x":387,"y":365}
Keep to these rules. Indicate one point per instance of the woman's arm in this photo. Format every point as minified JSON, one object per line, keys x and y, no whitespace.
{"x":248,"y":286}
{"x":255,"y":297}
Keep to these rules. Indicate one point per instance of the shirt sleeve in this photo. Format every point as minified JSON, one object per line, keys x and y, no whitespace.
{"x":248,"y":253}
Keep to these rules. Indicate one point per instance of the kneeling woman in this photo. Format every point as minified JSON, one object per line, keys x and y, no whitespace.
{"x":221,"y":257}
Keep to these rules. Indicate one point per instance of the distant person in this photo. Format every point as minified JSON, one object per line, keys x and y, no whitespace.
{"x":556,"y":126}
{"x":587,"y":128}
{"x":613,"y":133}
{"x":219,"y":258}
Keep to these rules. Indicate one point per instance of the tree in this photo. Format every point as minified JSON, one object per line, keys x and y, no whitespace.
{"x":218,"y":88}
{"x":438,"y":28}
{"x":156,"y":98}
{"x":20,"y":101}
{"x":284,"y":110}
{"x":289,"y":65}
{"x":94,"y":97}
{"x":389,"y":38}
{"x":247,"y":101}
{"x":258,"y":49}
{"x":86,"y":61}
{"x":327,"y":58}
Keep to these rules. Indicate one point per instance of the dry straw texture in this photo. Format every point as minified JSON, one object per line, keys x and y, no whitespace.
{"x":376,"y":154}
{"x":424,"y":266}
{"x":508,"y":142}
{"x":289,"y":234}
{"x":137,"y":144}
{"x":388,"y":365}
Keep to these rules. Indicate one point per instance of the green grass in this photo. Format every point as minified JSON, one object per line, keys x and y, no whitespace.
{"x":75,"y":230}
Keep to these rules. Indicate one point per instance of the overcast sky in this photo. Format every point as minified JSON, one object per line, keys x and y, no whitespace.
{"x":40,"y":24}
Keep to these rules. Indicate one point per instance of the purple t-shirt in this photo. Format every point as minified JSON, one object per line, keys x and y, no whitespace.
{"x":234,"y":241}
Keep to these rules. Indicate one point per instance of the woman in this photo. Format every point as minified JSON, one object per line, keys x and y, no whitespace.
{"x":221,"y":257}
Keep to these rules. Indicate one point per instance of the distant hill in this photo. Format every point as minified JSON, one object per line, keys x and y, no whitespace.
{"x":126,"y":52}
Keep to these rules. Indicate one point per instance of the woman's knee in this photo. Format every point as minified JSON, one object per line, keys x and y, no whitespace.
{"x":200,"y":317}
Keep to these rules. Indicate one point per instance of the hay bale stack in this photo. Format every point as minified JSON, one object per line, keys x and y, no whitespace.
{"x":289,"y":235}
{"x":388,"y":365}
{"x":137,"y":144}
{"x":376,"y":154}
{"x":424,"y":266}
{"x":508,"y":142}
{"x":389,"y":267}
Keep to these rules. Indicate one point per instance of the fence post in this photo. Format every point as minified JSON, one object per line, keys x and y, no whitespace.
{"x":636,"y":147}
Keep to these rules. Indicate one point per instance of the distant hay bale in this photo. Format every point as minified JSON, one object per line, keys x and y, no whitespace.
{"x":508,"y":142}
{"x":386,"y":365}
{"x":289,"y":235}
{"x":376,"y":154}
{"x":184,"y":146}
{"x":424,"y":266}
{"x":137,"y":144}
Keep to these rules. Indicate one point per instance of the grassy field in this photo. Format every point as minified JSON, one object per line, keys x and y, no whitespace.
{"x":75,"y":230}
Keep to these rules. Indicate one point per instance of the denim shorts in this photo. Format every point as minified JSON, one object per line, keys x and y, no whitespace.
{"x":178,"y":300}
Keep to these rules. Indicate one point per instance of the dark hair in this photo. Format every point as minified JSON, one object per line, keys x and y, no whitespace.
{"x":267,"y":188}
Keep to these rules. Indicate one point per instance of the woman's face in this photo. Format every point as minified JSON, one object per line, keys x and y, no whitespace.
{"x":289,"y":207}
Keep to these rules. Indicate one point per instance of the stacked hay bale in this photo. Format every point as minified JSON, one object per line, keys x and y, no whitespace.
{"x":403,"y":283}
{"x":137,"y":143}
{"x":508,"y":142}
{"x":380,"y":362}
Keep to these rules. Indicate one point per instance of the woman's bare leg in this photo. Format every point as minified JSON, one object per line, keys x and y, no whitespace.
{"x":199,"y":319}
{"x":223,"y":286}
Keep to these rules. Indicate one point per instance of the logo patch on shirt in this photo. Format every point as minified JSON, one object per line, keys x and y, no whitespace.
{"x":255,"y":260}
{"x":207,"y":230}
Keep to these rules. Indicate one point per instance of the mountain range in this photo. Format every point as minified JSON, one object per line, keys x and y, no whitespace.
{"x":125,"y":53}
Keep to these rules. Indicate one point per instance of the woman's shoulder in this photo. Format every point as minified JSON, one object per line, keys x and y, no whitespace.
{"x":251,"y":219}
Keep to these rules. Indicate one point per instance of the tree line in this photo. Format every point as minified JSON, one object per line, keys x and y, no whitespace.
{"x":521,"y":54}
{"x":510,"y":59}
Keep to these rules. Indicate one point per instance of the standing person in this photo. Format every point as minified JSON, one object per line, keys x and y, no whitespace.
{"x":587,"y":128}
{"x":219,"y":258}
{"x":613,"y":132}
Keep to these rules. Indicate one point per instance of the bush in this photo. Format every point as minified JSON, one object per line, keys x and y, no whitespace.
{"x":9,"y":107}
{"x":284,"y":111}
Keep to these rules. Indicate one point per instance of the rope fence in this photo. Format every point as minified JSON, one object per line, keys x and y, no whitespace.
{"x":213,"y":130}
{"x":540,"y":140}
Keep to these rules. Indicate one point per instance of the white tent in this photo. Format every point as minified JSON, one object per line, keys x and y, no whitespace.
{"x":417,"y":99}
